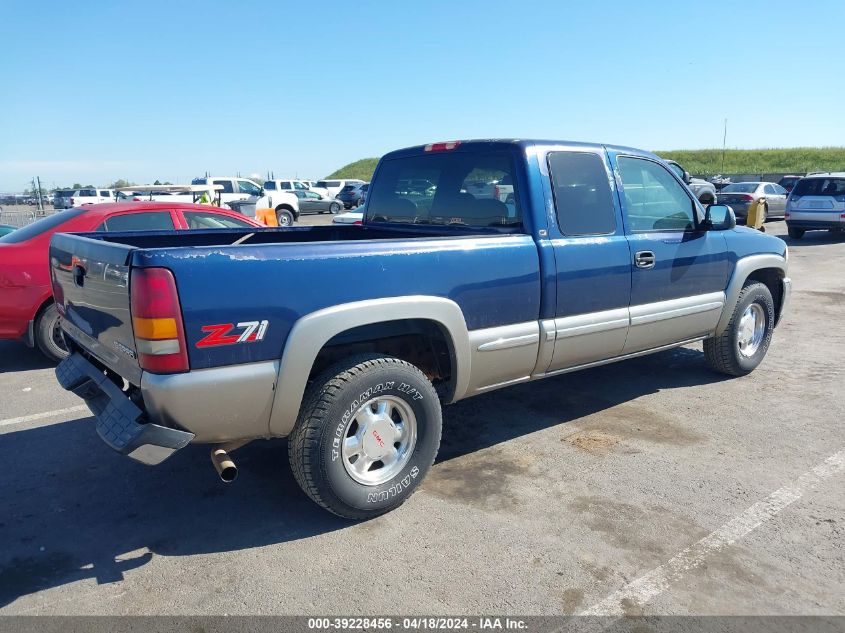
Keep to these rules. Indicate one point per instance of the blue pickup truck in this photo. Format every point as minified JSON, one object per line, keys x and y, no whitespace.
{"x":348,"y":339}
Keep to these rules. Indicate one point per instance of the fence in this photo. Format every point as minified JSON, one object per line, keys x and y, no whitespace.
{"x":20,"y":217}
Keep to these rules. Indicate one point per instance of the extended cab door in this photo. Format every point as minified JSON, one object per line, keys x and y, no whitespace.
{"x":679,"y":271}
{"x":592,"y":258}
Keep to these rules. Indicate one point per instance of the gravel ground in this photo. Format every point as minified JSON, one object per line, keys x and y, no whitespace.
{"x":649,"y":486}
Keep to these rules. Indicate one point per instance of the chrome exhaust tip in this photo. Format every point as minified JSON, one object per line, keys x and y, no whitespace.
{"x":224,"y":465}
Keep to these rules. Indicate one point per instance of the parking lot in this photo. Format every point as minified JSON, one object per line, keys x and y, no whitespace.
{"x":650,"y":486}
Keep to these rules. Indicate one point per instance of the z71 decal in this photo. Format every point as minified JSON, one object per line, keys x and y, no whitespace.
{"x":223,"y":334}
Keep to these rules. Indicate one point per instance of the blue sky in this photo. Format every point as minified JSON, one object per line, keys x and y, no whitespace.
{"x":168,"y":90}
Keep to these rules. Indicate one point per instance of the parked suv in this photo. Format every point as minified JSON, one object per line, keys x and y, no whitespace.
{"x":816,"y":202}
{"x":293,"y":185}
{"x":61,"y":198}
{"x":352,"y":195}
{"x":334,"y":186}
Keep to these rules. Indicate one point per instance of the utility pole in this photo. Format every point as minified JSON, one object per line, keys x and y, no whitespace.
{"x":40,"y":197}
{"x":724,"y":139}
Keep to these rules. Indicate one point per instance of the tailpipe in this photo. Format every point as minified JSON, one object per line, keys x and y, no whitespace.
{"x":224,"y":465}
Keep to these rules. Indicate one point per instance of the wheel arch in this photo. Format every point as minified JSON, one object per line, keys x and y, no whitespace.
{"x":768,"y":269}
{"x":45,"y":303}
{"x":313,"y":333}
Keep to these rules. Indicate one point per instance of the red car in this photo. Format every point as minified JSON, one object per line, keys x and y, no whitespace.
{"x":26,"y":300}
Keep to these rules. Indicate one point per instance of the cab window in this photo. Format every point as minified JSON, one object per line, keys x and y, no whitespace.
{"x":245,"y":186}
{"x":583,"y":199}
{"x":147,"y":221}
{"x":654,"y":200}
{"x":438,"y":188}
{"x":205,"y":220}
{"x":227,"y":185}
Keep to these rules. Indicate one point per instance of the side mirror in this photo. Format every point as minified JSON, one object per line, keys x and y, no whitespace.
{"x":687,"y":177}
{"x":719,"y":217}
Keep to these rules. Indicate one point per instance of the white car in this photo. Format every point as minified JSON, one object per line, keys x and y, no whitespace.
{"x":334,"y":186}
{"x":81,"y":197}
{"x":350,"y":217}
{"x":237,"y":189}
{"x":291,"y":184}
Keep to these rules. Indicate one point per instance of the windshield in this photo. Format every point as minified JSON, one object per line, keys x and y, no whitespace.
{"x":741,"y":187}
{"x":432,"y":189}
{"x":41,"y":226}
{"x":820,"y":187}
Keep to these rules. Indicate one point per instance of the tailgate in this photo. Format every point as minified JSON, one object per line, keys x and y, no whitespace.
{"x":90,"y":280}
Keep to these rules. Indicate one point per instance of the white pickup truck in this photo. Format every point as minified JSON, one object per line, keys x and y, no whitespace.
{"x":285,"y":203}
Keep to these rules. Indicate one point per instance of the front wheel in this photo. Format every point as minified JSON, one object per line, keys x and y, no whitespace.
{"x":367,"y":434}
{"x":742,"y":346}
{"x":334,"y":208}
{"x":48,"y":334}
{"x":284,"y":217}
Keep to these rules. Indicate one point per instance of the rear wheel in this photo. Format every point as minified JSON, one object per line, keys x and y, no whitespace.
{"x":742,"y":346}
{"x":367,"y":434}
{"x":795,"y":234}
{"x":48,"y":334}
{"x":284,"y":217}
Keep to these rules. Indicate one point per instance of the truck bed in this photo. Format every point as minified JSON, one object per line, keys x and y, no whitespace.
{"x":279,"y":275}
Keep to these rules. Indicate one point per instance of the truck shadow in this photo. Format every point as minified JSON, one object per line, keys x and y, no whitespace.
{"x":74,"y":510}
{"x":15,"y":356}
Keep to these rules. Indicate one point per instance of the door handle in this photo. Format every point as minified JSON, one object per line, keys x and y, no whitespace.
{"x":78,"y":276}
{"x":644,"y":259}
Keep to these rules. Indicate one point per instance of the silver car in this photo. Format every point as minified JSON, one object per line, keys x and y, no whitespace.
{"x":313,"y":202}
{"x":739,"y":195}
{"x":817,"y":202}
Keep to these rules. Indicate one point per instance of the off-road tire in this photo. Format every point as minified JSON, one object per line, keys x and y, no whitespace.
{"x":722,"y":351}
{"x":795,"y":234}
{"x":45,"y":334}
{"x":314,"y":446}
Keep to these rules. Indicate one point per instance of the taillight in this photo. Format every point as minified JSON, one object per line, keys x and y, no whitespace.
{"x":441,"y":147}
{"x":157,"y":321}
{"x":748,"y":198}
{"x":496,"y":192}
{"x":357,"y":222}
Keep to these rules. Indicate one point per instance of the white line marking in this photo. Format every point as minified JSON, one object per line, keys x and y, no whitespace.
{"x":45,"y":414}
{"x":658,"y":580}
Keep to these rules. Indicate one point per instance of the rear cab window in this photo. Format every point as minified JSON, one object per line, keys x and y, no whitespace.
{"x":432,"y":189}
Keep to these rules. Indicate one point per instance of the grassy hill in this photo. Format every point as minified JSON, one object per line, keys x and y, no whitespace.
{"x":706,"y":162}
{"x":360,"y":169}
{"x":703,"y":162}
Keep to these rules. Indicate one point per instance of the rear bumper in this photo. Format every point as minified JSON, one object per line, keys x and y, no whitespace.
{"x":118,"y":419}
{"x":815,"y":225}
